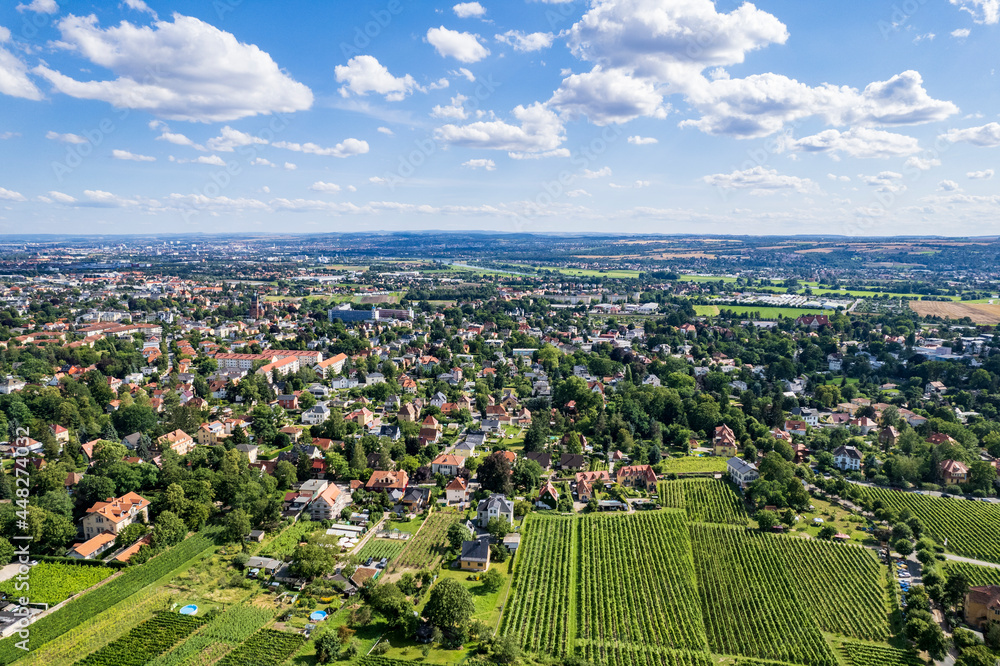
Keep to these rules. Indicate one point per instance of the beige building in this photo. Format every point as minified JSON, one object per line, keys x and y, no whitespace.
{"x":115,"y":514}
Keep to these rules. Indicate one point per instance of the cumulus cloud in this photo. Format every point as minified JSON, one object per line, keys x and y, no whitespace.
{"x":987,"y":135}
{"x":229,"y":139}
{"x":346,"y":148}
{"x":60,"y":197}
{"x":603,"y":172}
{"x":578,"y":193}
{"x":948,"y":186}
{"x":462,"y":46}
{"x":921,"y":163}
{"x":636,"y":185}
{"x":983,"y":11}
{"x":839,"y":179}
{"x":291,"y":167}
{"x":454,"y":111}
{"x":526,"y":42}
{"x":540,"y":130}
{"x":608,"y":96}
{"x":885,"y":181}
{"x":386,"y":131}
{"x":68,"y":137}
{"x":468,"y":10}
{"x":364,"y":74}
{"x":858,"y":142}
{"x":140,"y":6}
{"x":642,"y":140}
{"x":320,"y":186}
{"x":761,"y":181}
{"x":11,"y":195}
{"x":133,"y":157}
{"x":980,"y":175}
{"x":14,"y":79}
{"x":960,"y":33}
{"x":172,"y":137}
{"x":480,"y":163}
{"x":161,"y":69}
{"x":39,"y":7}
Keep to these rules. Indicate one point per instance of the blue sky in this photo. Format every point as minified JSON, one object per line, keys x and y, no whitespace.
{"x":669,"y":116}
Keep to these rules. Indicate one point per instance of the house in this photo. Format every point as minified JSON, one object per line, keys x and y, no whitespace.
{"x":572,"y":461}
{"x":114,"y":514}
{"x":266,"y":565}
{"x":795,"y":427}
{"x":92,"y":547}
{"x":288,"y":401}
{"x":475,"y":555}
{"x":408,"y":412}
{"x":864,"y":424}
{"x":807,"y":414}
{"x":548,"y":496}
{"x":982,"y":606}
{"x":447,"y":464}
{"x":315,"y":415}
{"x":415,"y":499}
{"x":543,"y":459}
{"x":323,"y":504}
{"x":953,"y":472}
{"x":934,"y":388}
{"x":60,"y":433}
{"x":178,"y":441}
{"x":312,"y":488}
{"x":637,"y":476}
{"x":888,"y":436}
{"x":938,"y":438}
{"x":494,"y":506}
{"x":250,"y":450}
{"x":724,"y":443}
{"x":456,"y":492}
{"x":813,"y":321}
{"x":584,"y":491}
{"x":847,"y":458}
{"x":741,"y":472}
{"x":388,"y":481}
{"x":256,"y":536}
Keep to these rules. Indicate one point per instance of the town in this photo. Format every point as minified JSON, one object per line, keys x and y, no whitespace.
{"x":387,"y":461}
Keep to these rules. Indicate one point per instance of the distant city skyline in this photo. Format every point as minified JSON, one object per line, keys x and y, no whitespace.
{"x":607,"y":116}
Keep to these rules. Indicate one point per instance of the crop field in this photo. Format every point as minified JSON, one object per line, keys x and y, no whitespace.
{"x":429,"y":544}
{"x":694,"y":464}
{"x":865,"y":654}
{"x":539,"y":610}
{"x":842,"y":586}
{"x":758,"y":311}
{"x":617,"y":654}
{"x":145,"y":642}
{"x":704,"y":500}
{"x":979,"y":313}
{"x":749,"y":601}
{"x":379,"y":548}
{"x":51,"y":582}
{"x":971,"y":528}
{"x":976,"y":575}
{"x":637,"y":583}
{"x":265,"y":648}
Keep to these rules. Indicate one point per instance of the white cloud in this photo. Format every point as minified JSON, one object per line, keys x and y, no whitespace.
{"x":840,"y":179}
{"x":480,"y":163}
{"x":885,"y":181}
{"x":926,"y":36}
{"x":462,"y":71}
{"x":642,"y":140}
{"x":455,"y":111}
{"x":608,"y":96}
{"x":14,"y":79}
{"x":40,"y":7}
{"x":948,"y":186}
{"x":463,"y":46}
{"x":980,"y":175}
{"x":386,"y":131}
{"x":540,"y":131}
{"x":261,"y":161}
{"x":291,"y":167}
{"x":364,"y":74}
{"x":578,"y":193}
{"x":760,"y":181}
{"x":468,"y":10}
{"x":60,"y":197}
{"x":983,"y":11}
{"x":172,"y":137}
{"x":214,"y":160}
{"x":923,"y":164}
{"x":603,"y":172}
{"x":526,"y":42}
{"x":320,"y":186}
{"x":162,"y":69}
{"x":960,"y":33}
{"x":987,"y":135}
{"x":10,"y":195}
{"x":229,"y":139}
{"x":65,"y":138}
{"x":140,"y":6}
{"x":636,"y":185}
{"x":134,"y":157}
{"x":346,"y":148}
{"x":545,"y":154}
{"x":858,"y":142}
{"x":8,"y":135}
{"x":378,"y":180}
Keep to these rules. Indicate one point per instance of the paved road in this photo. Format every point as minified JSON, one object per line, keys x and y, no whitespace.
{"x":929,"y":493}
{"x":956,"y":558}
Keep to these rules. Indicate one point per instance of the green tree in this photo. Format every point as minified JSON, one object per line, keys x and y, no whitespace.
{"x":168,"y":530}
{"x":494,"y":473}
{"x":457,"y":534}
{"x":450,"y":605}
{"x":766,"y":520}
{"x":526,"y":473}
{"x":237,"y":526}
{"x":493,"y":580}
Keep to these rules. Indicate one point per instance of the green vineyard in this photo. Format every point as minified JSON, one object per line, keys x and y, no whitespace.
{"x":379,"y":548}
{"x":429,"y":544}
{"x":864,"y":654}
{"x":971,"y":529}
{"x":617,"y":654}
{"x":145,"y":642}
{"x":974,"y":574}
{"x":704,"y":500}
{"x":265,"y":648}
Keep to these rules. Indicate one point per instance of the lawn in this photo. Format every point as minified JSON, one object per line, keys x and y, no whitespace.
{"x":51,"y":583}
{"x":694,"y":464}
{"x":761,"y":311}
{"x":706,"y":278}
{"x":830,"y":515}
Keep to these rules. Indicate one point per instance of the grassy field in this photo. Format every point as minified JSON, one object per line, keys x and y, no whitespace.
{"x":764,"y":312}
{"x":706,"y":278}
{"x":694,"y":464}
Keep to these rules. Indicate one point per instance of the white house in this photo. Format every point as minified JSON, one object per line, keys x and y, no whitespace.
{"x":494,"y":506}
{"x":741,"y":472}
{"x":316,"y":414}
{"x":847,"y":458}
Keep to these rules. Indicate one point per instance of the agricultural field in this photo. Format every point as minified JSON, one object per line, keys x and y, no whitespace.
{"x":749,"y":599}
{"x":758,"y":311}
{"x":430,"y":542}
{"x":541,"y":597}
{"x":704,"y":500}
{"x":979,"y":313}
{"x":224,"y":632}
{"x":972,"y":529}
{"x":976,"y":575}
{"x":52,"y":583}
{"x":617,"y":654}
{"x":637,"y":583}
{"x":145,"y":642}
{"x":265,"y":648}
{"x":866,"y":654}
{"x":379,"y":548}
{"x":694,"y":464}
